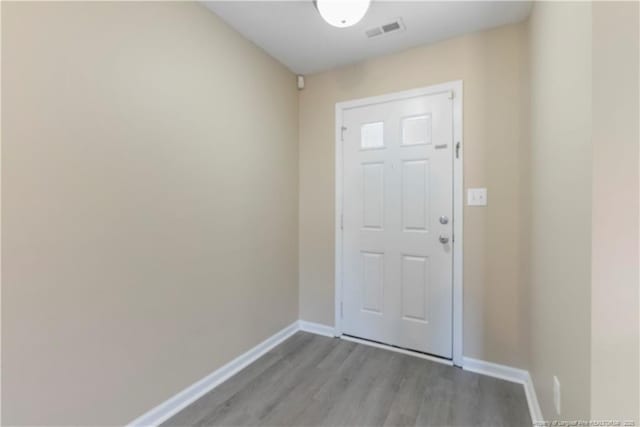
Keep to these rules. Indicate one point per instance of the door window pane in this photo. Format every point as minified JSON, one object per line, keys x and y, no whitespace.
{"x":416,"y":130}
{"x":372,"y":135}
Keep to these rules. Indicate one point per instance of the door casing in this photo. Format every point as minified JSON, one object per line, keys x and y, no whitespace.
{"x":458,"y":200}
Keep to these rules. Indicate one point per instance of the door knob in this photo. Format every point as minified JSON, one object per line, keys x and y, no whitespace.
{"x":444,"y":238}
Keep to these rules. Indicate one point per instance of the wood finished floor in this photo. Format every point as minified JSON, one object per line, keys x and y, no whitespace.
{"x":310,"y":380}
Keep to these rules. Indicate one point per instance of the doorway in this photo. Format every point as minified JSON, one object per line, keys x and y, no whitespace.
{"x":399,"y":220}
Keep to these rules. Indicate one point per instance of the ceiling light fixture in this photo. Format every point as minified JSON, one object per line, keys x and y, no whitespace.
{"x":342,"y":13}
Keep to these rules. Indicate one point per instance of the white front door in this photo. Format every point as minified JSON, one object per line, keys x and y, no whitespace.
{"x":397,"y":222}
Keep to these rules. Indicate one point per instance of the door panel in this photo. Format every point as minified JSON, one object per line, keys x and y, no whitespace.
{"x":373,"y":195}
{"x":415,"y":288}
{"x":415,"y":196}
{"x":397,"y":184}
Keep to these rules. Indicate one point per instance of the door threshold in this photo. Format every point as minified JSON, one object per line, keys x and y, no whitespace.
{"x":400,"y":350}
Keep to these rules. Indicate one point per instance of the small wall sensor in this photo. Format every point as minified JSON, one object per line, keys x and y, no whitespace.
{"x":300,"y":82}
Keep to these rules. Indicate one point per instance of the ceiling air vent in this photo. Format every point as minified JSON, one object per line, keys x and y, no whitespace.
{"x":391,"y":27}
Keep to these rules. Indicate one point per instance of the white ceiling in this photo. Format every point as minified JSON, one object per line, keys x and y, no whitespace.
{"x":294,"y":33}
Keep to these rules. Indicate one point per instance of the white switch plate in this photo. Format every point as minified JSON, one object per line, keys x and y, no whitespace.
{"x":476,"y":197}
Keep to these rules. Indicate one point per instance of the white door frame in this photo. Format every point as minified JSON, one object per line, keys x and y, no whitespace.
{"x":458,"y":200}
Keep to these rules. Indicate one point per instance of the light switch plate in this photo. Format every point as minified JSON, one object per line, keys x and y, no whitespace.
{"x":476,"y":197}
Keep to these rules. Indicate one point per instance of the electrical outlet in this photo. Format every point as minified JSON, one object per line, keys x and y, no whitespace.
{"x":476,"y":197}
{"x":556,"y":393}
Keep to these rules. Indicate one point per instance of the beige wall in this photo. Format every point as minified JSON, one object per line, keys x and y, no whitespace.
{"x":492,"y":65}
{"x":614,"y":300}
{"x":149,"y":185}
{"x":560,"y":215}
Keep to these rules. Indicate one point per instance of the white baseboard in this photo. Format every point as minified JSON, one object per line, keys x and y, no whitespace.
{"x":503,"y":372}
{"x":316,"y":328}
{"x":508,"y":373}
{"x":532,"y":400}
{"x":175,"y":404}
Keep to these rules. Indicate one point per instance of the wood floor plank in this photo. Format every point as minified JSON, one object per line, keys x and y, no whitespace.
{"x":407,"y":402}
{"x":224,"y":391}
{"x":310,"y":380}
{"x":248,"y":405}
{"x":221,"y":399}
{"x":326,"y":397}
{"x":293,"y":411}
